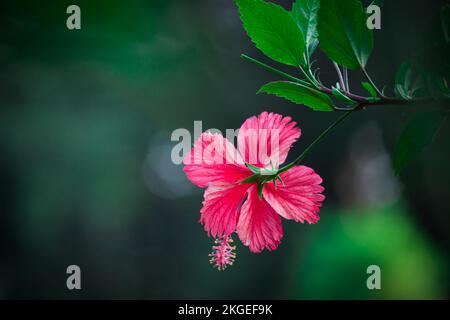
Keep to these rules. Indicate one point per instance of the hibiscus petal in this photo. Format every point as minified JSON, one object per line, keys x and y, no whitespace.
{"x":213,"y":158}
{"x":299,"y":198}
{"x":267,"y":139}
{"x":259,"y":225}
{"x":221,"y":205}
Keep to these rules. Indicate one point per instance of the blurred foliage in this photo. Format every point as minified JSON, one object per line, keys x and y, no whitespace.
{"x":418,"y":133}
{"x":346,"y":243}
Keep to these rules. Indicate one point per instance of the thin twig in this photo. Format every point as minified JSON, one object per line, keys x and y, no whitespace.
{"x":364,"y":71}
{"x":347,"y":87}
{"x":273,"y":70}
{"x":341,"y":79}
{"x":315,"y":142}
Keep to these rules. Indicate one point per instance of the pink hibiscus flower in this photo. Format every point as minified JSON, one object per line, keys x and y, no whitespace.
{"x":242,"y":194}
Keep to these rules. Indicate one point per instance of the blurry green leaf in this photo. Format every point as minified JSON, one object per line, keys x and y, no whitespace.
{"x":403,"y":80}
{"x":407,"y":84}
{"x":418,"y":133}
{"x":343,"y":33}
{"x":400,"y":91}
{"x":370,"y":89}
{"x":359,"y":238}
{"x":299,"y":94}
{"x":445,"y":21}
{"x":305,"y":14}
{"x":442,"y":86}
{"x":434,"y":69}
{"x":341,"y":96}
{"x":273,"y":31}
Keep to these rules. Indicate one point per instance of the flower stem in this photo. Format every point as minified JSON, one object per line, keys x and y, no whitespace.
{"x":273,"y":70}
{"x":347,"y":87}
{"x":341,"y":78}
{"x":366,"y":74}
{"x":315,"y":142}
{"x":308,"y":75}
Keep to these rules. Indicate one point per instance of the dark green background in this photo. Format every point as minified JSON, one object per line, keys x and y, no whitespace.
{"x":86,"y":176}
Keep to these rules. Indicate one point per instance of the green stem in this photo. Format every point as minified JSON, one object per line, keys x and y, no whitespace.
{"x":341,"y":78}
{"x":366,"y":74}
{"x":273,"y":70}
{"x":346,"y":79}
{"x":308,"y":75}
{"x":315,"y":142}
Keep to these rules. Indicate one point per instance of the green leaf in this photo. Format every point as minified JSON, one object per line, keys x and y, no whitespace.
{"x":418,"y":133}
{"x":445,"y":22}
{"x":341,"y":96}
{"x":408,"y":86}
{"x":343,"y":32}
{"x":401,"y":92}
{"x":404,"y":75}
{"x":299,"y":94}
{"x":370,"y":89}
{"x":305,"y":14}
{"x":443,"y":88}
{"x":273,"y":31}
